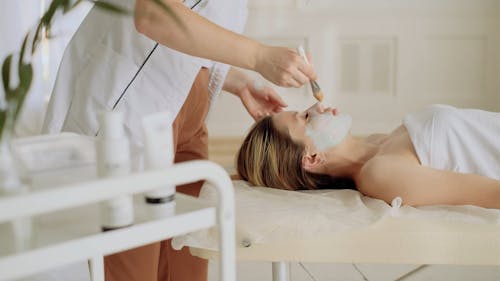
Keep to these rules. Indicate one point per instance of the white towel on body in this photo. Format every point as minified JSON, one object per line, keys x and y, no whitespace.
{"x":459,"y":140}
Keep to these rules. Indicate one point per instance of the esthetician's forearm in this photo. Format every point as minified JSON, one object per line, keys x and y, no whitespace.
{"x":200,"y":37}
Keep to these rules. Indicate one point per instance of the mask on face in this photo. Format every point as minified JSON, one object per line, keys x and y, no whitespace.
{"x":327,"y":130}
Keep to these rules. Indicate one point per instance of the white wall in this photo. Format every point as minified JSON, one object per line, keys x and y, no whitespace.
{"x":379,"y":59}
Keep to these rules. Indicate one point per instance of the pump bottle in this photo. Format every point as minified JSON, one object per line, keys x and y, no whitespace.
{"x":159,"y":154}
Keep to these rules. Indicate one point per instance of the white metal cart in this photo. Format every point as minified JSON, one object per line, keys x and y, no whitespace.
{"x":88,"y":243}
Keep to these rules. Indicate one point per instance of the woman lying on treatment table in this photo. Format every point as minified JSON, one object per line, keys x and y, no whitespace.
{"x":441,"y":155}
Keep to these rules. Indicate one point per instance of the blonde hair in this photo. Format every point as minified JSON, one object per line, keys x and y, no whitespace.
{"x":269,"y":157}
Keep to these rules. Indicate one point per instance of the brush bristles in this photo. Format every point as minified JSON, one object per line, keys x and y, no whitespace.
{"x":318,"y":95}
{"x":316,"y":89}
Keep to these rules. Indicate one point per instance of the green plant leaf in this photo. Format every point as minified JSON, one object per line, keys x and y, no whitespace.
{"x":45,"y":21}
{"x":6,"y":73}
{"x":66,"y":6}
{"x":25,"y":76}
{"x":49,"y":14}
{"x":170,"y":12}
{"x":25,"y":79}
{"x":3,"y":119}
{"x":111,"y":7}
{"x":36,"y":37}
{"x":23,"y":49}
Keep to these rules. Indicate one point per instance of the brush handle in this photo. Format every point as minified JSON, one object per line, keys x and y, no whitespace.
{"x":314,"y":85}
{"x":302,"y":53}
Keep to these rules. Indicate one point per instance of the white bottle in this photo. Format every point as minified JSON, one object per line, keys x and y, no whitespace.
{"x":113,"y":160}
{"x":159,"y":154}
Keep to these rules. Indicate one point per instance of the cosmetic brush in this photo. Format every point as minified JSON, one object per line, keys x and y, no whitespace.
{"x":317,"y":93}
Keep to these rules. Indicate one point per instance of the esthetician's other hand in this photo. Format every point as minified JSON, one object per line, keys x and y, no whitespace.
{"x":259,"y":100}
{"x":283,"y":66}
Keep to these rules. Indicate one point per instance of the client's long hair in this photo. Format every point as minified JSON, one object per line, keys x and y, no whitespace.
{"x":269,"y":157}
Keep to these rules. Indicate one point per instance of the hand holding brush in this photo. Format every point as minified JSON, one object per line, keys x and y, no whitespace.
{"x":317,"y":93}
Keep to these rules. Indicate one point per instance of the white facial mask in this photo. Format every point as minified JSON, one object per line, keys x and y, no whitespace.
{"x":327,"y":130}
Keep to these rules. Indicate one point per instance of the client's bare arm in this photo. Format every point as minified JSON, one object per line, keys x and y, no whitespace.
{"x":388,"y":177}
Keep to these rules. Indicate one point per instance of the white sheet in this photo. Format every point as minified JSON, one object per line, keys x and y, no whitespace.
{"x":265,"y":215}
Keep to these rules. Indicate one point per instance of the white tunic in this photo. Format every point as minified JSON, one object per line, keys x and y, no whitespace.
{"x":459,"y":140}
{"x":108,"y":65}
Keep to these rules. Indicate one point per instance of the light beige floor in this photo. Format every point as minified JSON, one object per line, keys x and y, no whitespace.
{"x":255,"y":271}
{"x":259,"y":271}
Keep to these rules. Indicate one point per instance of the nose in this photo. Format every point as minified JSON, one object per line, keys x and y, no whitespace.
{"x":320,"y":108}
{"x":314,"y":108}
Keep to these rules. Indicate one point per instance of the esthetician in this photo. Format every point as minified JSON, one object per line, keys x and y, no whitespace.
{"x":115,"y":63}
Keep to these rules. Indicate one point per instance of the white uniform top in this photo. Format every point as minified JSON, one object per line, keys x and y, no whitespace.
{"x":459,"y":140}
{"x":108,"y":65}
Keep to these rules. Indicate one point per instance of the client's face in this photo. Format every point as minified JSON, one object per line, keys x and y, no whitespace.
{"x":319,"y":127}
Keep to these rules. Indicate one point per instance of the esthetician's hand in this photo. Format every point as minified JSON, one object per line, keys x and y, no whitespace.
{"x":259,"y":100}
{"x":202,"y":38}
{"x":283,"y":66}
